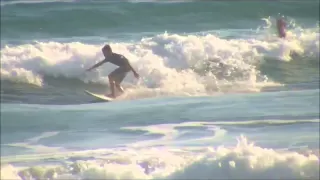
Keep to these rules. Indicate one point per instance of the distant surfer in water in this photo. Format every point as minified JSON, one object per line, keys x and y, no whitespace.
{"x":281,"y":26}
{"x":116,"y":76}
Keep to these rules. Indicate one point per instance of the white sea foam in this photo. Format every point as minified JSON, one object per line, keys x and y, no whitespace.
{"x":167,"y":63}
{"x":299,"y":40}
{"x":243,"y":161}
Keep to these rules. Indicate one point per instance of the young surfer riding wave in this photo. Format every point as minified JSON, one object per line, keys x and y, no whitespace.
{"x":116,"y":76}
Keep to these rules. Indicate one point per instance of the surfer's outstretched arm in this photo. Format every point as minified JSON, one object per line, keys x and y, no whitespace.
{"x":97,"y":65}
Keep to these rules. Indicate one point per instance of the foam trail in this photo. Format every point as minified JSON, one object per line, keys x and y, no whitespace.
{"x":30,"y":143}
{"x":4,"y":3}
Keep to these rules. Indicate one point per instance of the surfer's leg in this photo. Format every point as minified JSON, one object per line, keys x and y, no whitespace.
{"x":112,"y":81}
{"x":120,"y":76}
{"x":115,"y":78}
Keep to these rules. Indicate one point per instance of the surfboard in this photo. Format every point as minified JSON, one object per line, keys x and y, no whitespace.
{"x":99,"y":96}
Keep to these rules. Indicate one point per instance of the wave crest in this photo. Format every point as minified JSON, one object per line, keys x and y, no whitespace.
{"x":196,"y":64}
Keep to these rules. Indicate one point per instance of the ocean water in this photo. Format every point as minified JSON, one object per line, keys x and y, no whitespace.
{"x":220,"y":95}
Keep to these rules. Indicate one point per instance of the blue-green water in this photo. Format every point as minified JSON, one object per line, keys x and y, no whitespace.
{"x":220,"y":96}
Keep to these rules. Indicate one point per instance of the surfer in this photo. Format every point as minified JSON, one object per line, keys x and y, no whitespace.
{"x":281,"y":25}
{"x":116,"y":76}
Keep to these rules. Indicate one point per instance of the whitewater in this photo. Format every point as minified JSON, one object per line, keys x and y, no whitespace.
{"x":160,"y":59}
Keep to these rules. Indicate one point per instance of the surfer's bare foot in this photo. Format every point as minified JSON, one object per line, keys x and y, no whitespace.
{"x":111,"y":96}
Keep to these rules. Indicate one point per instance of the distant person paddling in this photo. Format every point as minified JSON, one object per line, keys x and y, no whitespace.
{"x":116,"y":76}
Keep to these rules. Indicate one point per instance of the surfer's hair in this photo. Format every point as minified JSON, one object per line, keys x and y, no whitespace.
{"x":107,"y":48}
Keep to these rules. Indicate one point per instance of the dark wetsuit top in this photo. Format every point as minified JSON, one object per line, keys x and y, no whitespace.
{"x":119,"y":60}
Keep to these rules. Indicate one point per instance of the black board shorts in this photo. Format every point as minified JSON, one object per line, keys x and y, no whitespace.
{"x":119,"y":74}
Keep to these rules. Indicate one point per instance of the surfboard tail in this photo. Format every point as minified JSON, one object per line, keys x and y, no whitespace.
{"x":99,"y":96}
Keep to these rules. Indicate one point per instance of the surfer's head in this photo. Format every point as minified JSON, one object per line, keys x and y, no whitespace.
{"x":280,"y":21}
{"x":106,"y":50}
